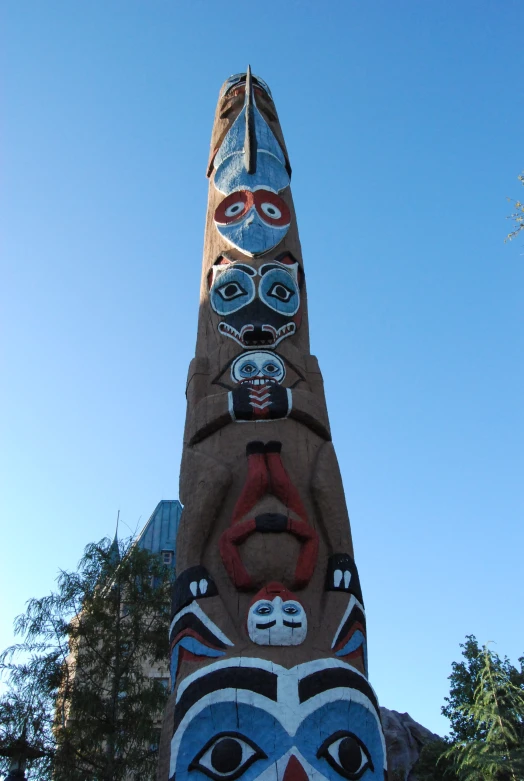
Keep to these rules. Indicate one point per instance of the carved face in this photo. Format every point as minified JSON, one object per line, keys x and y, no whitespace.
{"x":253,"y":719}
{"x":252,"y":216}
{"x":258,"y":368}
{"x":277,"y":622}
{"x":253,"y":222}
{"x":239,"y":80}
{"x":259,"y":307}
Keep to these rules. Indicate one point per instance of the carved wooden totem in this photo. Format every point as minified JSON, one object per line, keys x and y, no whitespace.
{"x":268,"y":631}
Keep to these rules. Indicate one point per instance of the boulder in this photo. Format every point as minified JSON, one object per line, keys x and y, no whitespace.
{"x":404,"y":741}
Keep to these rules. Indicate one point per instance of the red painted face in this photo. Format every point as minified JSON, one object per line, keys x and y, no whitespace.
{"x":270,"y":207}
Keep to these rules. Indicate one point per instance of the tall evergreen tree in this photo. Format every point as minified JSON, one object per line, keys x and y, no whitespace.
{"x":486,"y":711}
{"x":495,"y":718}
{"x":86,"y":653}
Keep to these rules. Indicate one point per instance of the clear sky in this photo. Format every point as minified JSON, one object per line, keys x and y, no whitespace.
{"x":404,"y":123}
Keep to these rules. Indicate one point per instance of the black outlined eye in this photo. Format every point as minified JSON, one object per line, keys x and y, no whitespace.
{"x":235,"y":209}
{"x":346,"y":754}
{"x":280,"y":291}
{"x":231,"y":290}
{"x":227,"y":756}
{"x":291,"y":610}
{"x":271,"y":210}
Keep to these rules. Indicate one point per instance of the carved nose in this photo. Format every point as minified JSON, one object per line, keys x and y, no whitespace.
{"x":295,"y":771}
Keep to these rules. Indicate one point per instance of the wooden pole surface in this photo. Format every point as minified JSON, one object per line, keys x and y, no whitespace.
{"x":268,"y":630}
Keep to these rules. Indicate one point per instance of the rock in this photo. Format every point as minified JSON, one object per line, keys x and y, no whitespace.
{"x":404,"y":741}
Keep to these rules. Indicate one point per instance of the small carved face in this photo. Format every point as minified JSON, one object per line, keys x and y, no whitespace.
{"x":258,"y":368}
{"x":277,"y":622}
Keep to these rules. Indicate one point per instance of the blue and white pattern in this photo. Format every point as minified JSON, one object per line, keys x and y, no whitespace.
{"x":253,"y":719}
{"x":230,"y":171}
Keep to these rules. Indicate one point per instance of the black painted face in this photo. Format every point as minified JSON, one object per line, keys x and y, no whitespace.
{"x":259,"y":307}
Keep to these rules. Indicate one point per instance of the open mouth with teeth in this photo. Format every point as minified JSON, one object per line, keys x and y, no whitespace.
{"x":257,"y":335}
{"x":256,"y":382}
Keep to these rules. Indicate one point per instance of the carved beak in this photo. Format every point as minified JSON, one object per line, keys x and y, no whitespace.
{"x":250,"y":142}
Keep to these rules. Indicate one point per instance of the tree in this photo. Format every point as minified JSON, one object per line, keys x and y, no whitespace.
{"x":465,"y":678}
{"x":496,"y":750}
{"x":87,"y":650}
{"x":486,"y":710}
{"x":517,"y":216}
{"x":433,"y":763}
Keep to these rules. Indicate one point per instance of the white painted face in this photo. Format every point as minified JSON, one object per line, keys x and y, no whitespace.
{"x":258,"y":368}
{"x":275,"y":622}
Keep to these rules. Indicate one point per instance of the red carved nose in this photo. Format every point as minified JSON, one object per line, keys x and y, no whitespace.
{"x":295,"y":771}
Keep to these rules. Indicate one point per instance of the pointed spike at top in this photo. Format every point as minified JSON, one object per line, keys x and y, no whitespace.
{"x":250,"y":142}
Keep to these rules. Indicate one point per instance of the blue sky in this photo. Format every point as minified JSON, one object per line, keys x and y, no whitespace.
{"x":404,"y":123}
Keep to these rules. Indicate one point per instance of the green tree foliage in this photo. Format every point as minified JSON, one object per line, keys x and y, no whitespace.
{"x":434,"y":764}
{"x":496,"y":751}
{"x":486,"y":711}
{"x":86,"y":652}
{"x":517,"y":216}
{"x":464,"y":681}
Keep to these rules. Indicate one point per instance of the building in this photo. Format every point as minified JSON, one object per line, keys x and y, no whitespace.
{"x":159,"y":536}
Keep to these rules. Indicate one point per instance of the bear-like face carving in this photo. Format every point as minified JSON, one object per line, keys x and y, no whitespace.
{"x":259,"y":306}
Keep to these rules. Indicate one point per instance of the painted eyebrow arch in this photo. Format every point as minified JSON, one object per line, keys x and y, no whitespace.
{"x":242,"y":267}
{"x":270,"y":266}
{"x":334,"y":678}
{"x":259,"y":681}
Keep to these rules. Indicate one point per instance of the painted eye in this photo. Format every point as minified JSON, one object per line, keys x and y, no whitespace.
{"x":234,"y":209}
{"x":346,"y":754}
{"x":231,"y":290}
{"x":248,"y":368}
{"x":271,"y":210}
{"x":265,"y":609}
{"x":291,"y":610}
{"x":280,"y":291}
{"x":227,"y":756}
{"x":271,"y":368}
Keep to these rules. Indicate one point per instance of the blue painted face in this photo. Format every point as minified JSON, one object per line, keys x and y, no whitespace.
{"x":230,"y":171}
{"x":252,"y":217}
{"x":253,"y":221}
{"x":258,"y":368}
{"x":319,"y":718}
{"x":259,"y":307}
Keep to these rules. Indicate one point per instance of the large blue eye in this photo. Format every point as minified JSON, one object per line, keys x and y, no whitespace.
{"x":279,"y":291}
{"x":232,"y":289}
{"x":227,"y":756}
{"x":346,"y":754}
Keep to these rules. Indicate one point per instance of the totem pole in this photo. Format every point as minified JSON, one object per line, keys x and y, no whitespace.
{"x":268,"y":631}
